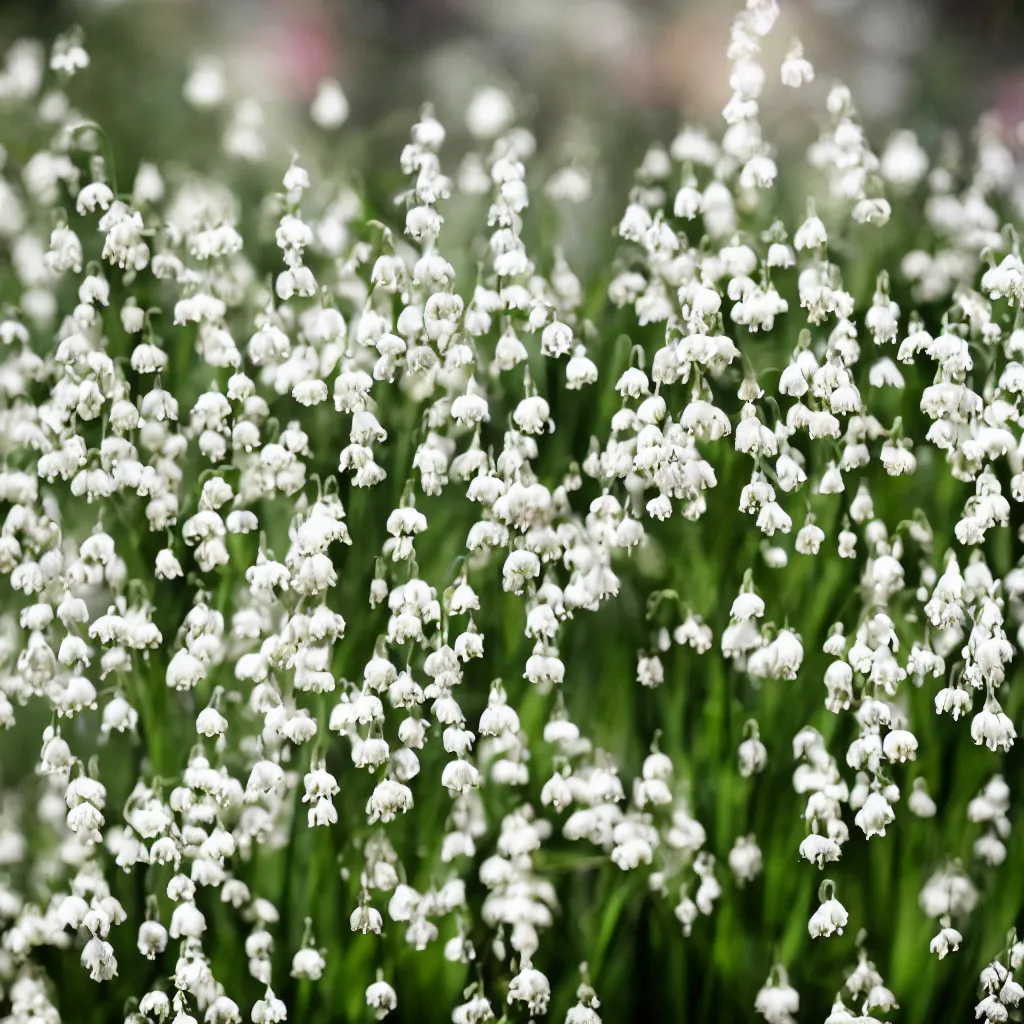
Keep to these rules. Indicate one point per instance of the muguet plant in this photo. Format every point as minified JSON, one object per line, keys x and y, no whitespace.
{"x":371,"y":603}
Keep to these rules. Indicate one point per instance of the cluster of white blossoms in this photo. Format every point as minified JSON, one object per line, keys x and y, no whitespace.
{"x":186,"y":445}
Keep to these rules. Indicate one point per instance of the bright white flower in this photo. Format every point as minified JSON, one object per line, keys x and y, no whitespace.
{"x":381,"y":998}
{"x":796,"y":69}
{"x":308,"y":964}
{"x":992,"y":727}
{"x":777,"y":1001}
{"x":98,"y":959}
{"x":330,"y":108}
{"x":876,"y":813}
{"x":819,"y":850}
{"x":811,"y":234}
{"x":947,"y":941}
{"x":531,"y":987}
{"x":829,"y":919}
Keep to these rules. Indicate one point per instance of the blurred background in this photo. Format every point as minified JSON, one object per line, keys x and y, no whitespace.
{"x":596,"y":80}
{"x":587,"y":71}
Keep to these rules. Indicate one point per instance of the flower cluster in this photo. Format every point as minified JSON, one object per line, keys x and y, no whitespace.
{"x":314,"y":549}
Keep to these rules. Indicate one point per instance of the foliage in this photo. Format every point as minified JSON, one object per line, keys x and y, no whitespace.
{"x":325,"y":510}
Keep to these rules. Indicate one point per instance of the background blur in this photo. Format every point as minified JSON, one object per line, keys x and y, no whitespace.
{"x":596,"y":75}
{"x":595,"y":79}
